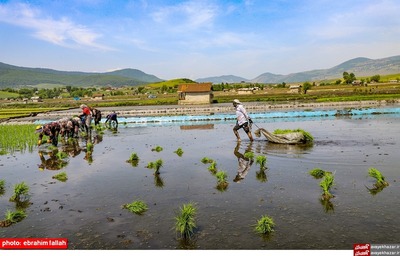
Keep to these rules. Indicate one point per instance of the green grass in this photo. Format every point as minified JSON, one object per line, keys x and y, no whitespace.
{"x":213,"y":167}
{"x":136,"y":207}
{"x":62,"y":176}
{"x":185,"y":221}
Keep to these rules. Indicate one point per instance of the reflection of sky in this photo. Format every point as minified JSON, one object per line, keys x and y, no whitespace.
{"x":260,"y":117}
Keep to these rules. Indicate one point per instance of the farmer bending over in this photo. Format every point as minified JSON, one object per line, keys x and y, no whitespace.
{"x":242,"y":120}
{"x":112,"y":117}
{"x":52,"y":130}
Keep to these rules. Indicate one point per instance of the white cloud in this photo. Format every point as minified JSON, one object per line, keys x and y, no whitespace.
{"x":61,"y":32}
{"x":186,"y":16}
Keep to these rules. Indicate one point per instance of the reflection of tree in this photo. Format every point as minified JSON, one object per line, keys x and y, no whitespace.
{"x":244,"y":163}
{"x":261,"y":175}
{"x":53,"y":162}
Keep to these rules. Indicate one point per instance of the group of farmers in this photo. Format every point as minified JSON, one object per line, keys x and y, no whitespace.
{"x":69,"y":127}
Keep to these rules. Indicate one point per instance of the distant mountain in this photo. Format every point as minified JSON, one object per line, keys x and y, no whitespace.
{"x":222,"y":79}
{"x":361,"y":67}
{"x":135,"y":74}
{"x":14,"y":76}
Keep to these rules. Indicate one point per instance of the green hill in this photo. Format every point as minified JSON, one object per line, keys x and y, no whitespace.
{"x":15,"y":77}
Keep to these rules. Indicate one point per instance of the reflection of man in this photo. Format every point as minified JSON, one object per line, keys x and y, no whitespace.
{"x":52,"y":163}
{"x":244,"y":163}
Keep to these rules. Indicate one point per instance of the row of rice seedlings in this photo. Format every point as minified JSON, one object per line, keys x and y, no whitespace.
{"x":221,"y":176}
{"x":62,"y":176}
{"x":249,"y":155}
{"x":17,"y":138}
{"x":136,"y":207}
{"x":307,"y":136}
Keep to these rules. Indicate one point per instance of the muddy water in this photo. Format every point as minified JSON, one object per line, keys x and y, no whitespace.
{"x":86,"y":208}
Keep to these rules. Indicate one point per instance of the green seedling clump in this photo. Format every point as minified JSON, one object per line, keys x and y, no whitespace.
{"x":157,"y":149}
{"x":206,"y":160}
{"x":377,"y":175}
{"x":133,"y":159}
{"x":318,"y":173}
{"x":185,"y":222}
{"x":179,"y":152}
{"x":222,"y":183}
{"x":213,"y":167}
{"x":157,"y":165}
{"x":249,"y":155}
{"x":326,"y":185}
{"x":307,"y":136}
{"x":20,"y":190}
{"x":14,"y":217}
{"x":137,"y":207}
{"x":262,"y":161}
{"x":62,"y":176}
{"x":265,"y":225}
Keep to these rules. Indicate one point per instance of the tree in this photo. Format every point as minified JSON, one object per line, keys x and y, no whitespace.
{"x":306,"y":87}
{"x":376,"y":78}
{"x":349,"y":78}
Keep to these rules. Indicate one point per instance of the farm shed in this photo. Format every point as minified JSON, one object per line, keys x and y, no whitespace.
{"x":194,"y":93}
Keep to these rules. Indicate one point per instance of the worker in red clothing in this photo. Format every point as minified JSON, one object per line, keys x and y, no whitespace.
{"x":86,"y":117}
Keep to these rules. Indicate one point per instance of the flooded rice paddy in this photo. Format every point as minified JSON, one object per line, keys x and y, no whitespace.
{"x":87,"y":208}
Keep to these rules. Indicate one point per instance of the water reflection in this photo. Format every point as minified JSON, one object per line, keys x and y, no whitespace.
{"x":51,"y":160}
{"x":244,"y":162}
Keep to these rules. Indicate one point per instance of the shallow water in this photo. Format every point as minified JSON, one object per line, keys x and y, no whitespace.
{"x":86,"y":208}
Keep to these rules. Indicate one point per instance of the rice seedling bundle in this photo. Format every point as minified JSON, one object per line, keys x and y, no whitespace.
{"x":137,"y":207}
{"x":185,"y":222}
{"x":265,"y":225}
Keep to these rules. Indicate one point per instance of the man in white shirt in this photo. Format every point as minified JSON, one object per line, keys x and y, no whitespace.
{"x":243,"y":120}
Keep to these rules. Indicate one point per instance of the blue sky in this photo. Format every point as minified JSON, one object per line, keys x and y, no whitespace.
{"x":196,"y":39}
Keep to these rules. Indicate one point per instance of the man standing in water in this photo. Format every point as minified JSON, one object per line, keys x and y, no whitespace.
{"x":243,"y":120}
